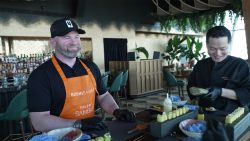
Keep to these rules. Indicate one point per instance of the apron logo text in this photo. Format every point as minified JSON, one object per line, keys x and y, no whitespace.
{"x":82,"y":93}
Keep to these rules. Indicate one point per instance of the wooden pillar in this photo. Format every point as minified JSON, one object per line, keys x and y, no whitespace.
{"x":10,"y":42}
{"x":246,"y":14}
{"x":4,"y":46}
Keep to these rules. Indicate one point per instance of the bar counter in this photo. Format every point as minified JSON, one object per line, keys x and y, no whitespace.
{"x":7,"y":94}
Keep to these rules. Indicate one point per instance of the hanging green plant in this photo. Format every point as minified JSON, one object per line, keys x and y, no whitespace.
{"x":203,"y":20}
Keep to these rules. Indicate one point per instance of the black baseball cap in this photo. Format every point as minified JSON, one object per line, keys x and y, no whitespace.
{"x":63,"y":26}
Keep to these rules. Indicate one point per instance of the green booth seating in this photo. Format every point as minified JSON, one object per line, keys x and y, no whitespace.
{"x":17,"y":110}
{"x":173,"y":82}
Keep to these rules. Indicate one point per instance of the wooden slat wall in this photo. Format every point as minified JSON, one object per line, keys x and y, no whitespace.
{"x":144,"y":76}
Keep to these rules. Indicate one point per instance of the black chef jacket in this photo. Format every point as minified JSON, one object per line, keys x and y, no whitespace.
{"x":231,"y":73}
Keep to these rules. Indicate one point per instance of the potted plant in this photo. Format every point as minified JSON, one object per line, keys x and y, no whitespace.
{"x":193,"y":50}
{"x":173,"y":50}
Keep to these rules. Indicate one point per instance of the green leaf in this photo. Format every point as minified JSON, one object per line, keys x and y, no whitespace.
{"x":143,"y":50}
{"x":202,"y":20}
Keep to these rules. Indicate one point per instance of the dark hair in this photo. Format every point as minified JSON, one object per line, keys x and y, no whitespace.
{"x":218,"y":31}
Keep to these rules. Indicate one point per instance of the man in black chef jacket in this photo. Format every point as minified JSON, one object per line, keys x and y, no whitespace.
{"x":226,"y":77}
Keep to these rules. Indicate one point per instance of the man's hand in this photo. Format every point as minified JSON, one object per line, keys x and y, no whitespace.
{"x":213,"y":94}
{"x":94,"y":123}
{"x":124,"y":115}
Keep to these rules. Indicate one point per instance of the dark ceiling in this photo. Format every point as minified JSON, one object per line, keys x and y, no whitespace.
{"x":43,"y":7}
{"x":71,"y":7}
{"x":172,"y":7}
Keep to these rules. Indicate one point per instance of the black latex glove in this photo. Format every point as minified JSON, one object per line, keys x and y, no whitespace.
{"x":213,"y":94}
{"x":124,"y":115}
{"x":215,"y":131}
{"x":94,"y":123}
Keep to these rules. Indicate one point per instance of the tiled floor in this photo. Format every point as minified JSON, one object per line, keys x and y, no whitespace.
{"x":144,"y":102}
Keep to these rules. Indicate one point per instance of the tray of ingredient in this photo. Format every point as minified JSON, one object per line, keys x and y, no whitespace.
{"x":166,"y":122}
{"x":147,"y":115}
{"x":237,"y":123}
{"x":175,"y":100}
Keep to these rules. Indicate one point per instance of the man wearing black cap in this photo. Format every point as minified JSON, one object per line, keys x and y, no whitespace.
{"x":62,"y":91}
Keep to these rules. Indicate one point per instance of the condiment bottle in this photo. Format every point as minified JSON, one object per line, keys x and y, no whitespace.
{"x":167,"y":104}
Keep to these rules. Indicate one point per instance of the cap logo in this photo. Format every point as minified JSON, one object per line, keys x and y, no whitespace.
{"x":69,"y":23}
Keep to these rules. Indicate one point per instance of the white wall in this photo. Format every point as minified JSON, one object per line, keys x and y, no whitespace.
{"x":11,"y":25}
{"x":107,"y":19}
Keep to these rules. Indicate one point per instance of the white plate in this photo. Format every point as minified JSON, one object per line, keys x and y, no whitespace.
{"x":61,"y":132}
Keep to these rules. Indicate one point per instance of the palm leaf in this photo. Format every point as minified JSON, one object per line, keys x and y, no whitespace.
{"x":143,"y":50}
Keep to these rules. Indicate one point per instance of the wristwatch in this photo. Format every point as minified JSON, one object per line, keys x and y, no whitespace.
{"x":77,"y":124}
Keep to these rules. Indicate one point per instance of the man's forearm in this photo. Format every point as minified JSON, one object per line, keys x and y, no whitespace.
{"x":43,"y":121}
{"x":228,"y":93}
{"x":108,"y":103}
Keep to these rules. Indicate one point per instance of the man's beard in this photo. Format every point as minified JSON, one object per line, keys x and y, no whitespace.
{"x":69,"y":54}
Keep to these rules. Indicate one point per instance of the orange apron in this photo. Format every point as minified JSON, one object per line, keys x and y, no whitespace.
{"x":80,"y":94}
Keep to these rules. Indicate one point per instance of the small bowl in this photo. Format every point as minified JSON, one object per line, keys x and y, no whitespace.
{"x":180,"y":103}
{"x":61,"y":132}
{"x":175,"y":98}
{"x":188,"y":122}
